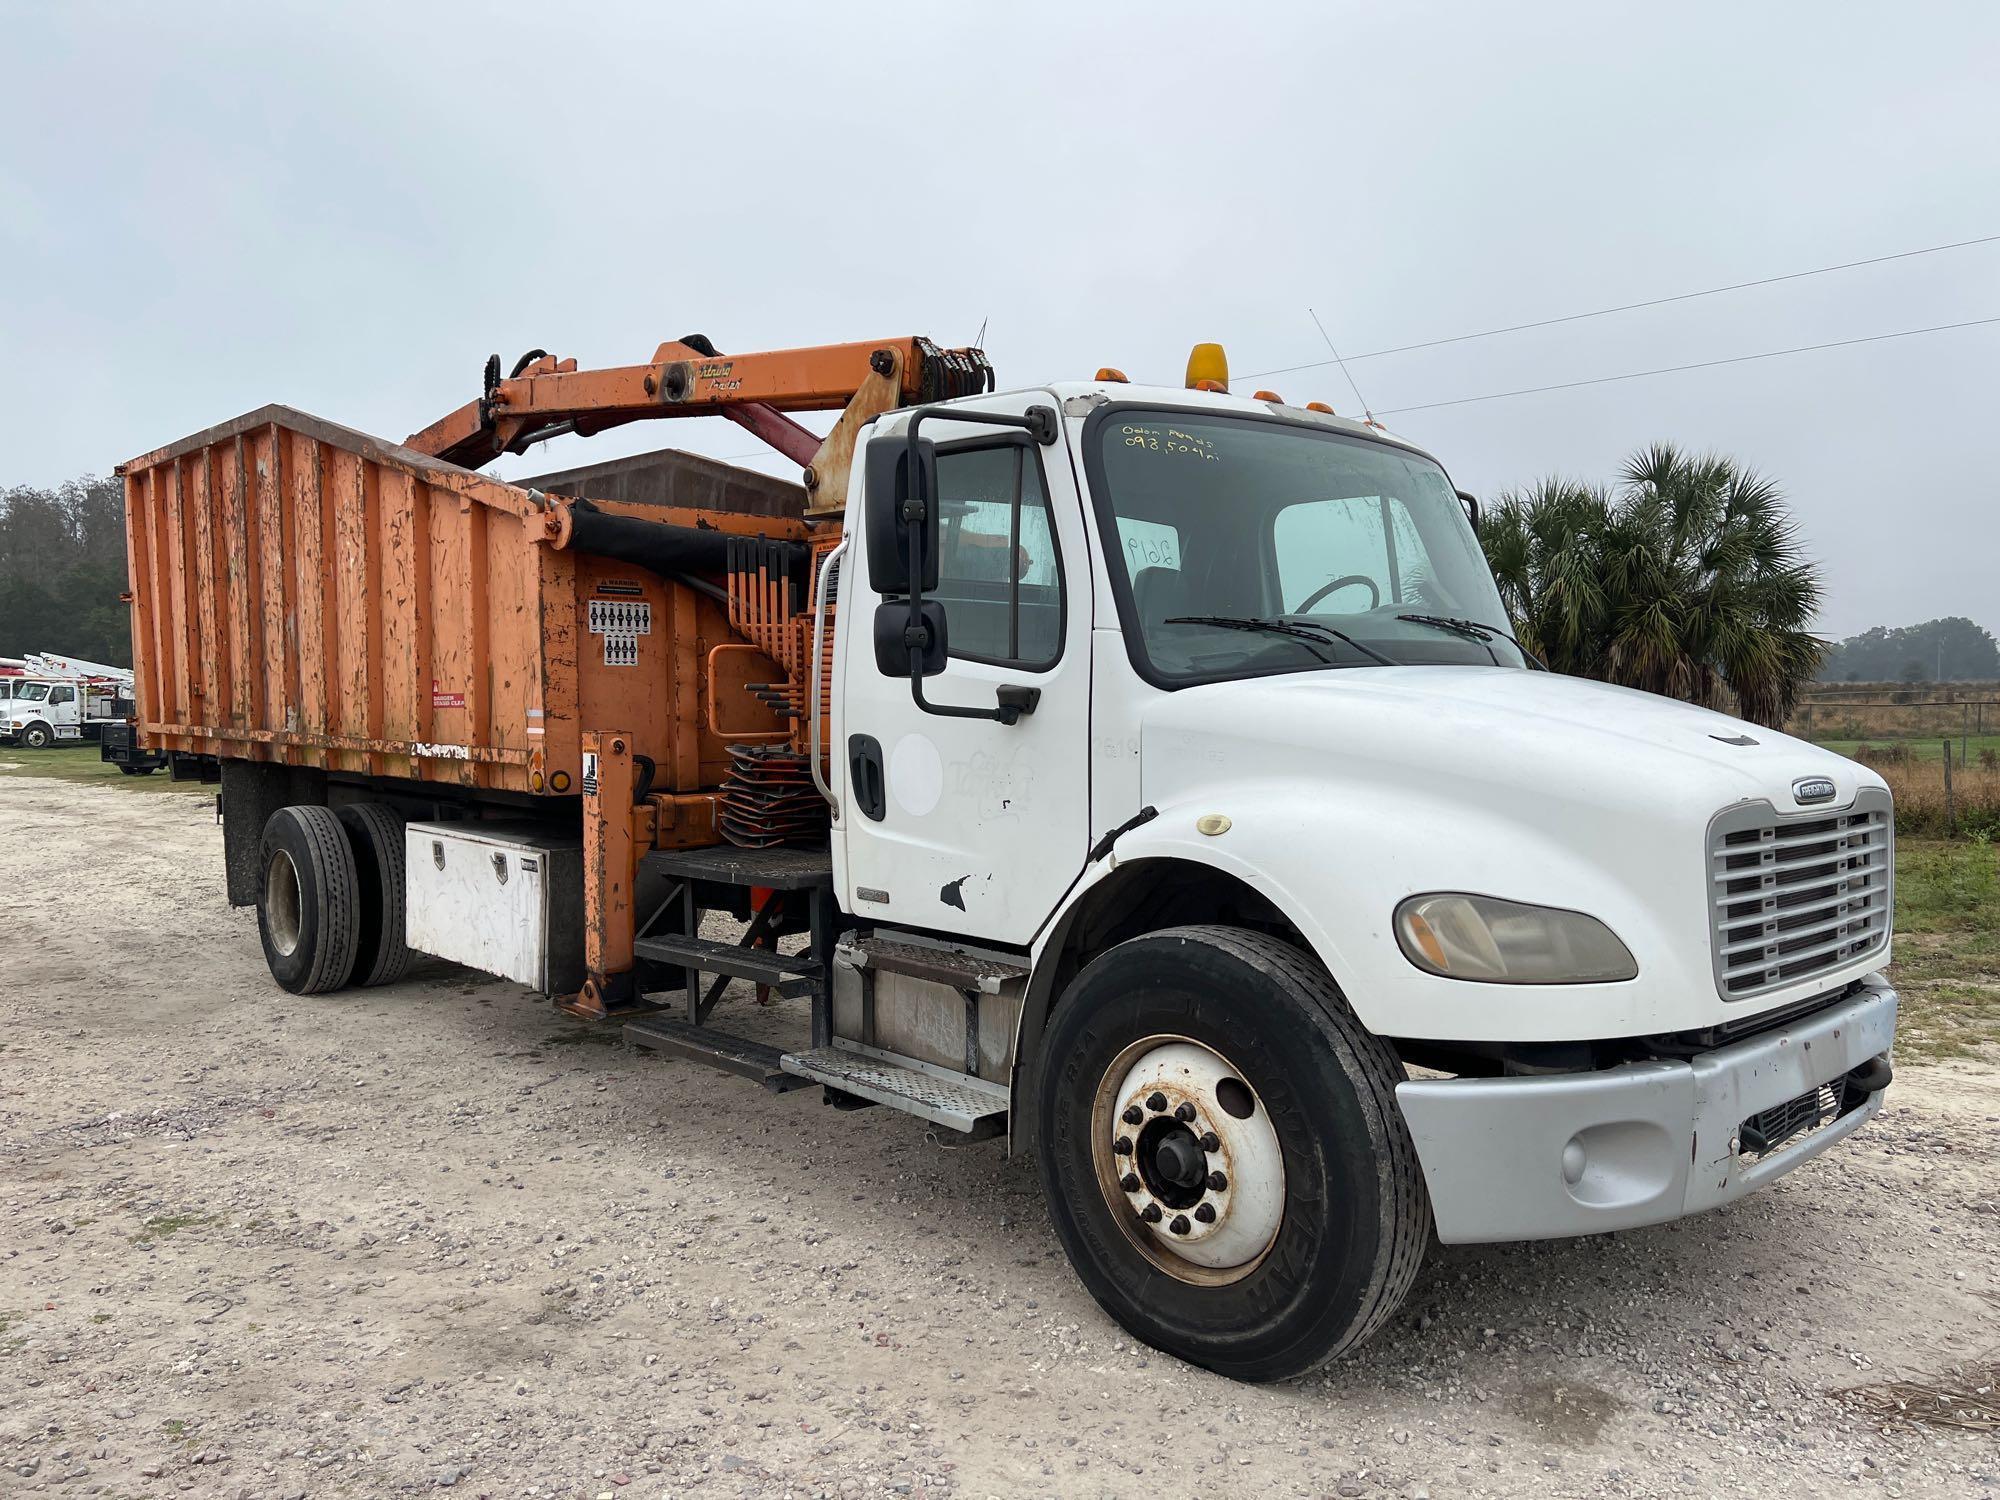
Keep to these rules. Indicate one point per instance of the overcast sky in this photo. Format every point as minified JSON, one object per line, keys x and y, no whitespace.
{"x":206,"y":207}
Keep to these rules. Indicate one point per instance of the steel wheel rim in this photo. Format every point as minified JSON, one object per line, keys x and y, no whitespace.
{"x":1178,"y":1088}
{"x":281,"y":903}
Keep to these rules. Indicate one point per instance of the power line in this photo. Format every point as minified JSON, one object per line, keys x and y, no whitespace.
{"x":1706,"y":364}
{"x":1738,"y":286}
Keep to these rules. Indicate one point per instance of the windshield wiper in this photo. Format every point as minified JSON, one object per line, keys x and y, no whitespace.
{"x":1475,"y":630}
{"x":1299,"y":630}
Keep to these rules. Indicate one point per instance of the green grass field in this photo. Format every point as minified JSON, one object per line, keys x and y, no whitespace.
{"x":79,"y":763}
{"x":1947,"y":948}
{"x":1929,"y":747}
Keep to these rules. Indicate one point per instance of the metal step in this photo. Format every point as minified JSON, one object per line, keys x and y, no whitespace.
{"x":953,"y":1100}
{"x":715,"y":1049}
{"x":778,"y":869}
{"x":781,"y":971}
{"x":948,"y":966}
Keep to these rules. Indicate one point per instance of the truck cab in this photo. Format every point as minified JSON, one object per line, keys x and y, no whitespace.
{"x":1276,"y":782}
{"x":37,"y":713}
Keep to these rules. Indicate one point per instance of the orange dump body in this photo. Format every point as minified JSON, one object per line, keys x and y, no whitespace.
{"x":308,"y":595}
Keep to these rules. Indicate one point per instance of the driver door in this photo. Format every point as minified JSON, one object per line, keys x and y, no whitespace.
{"x":967,"y":825}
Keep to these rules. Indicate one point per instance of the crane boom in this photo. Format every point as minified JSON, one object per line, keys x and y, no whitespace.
{"x":548,"y":397}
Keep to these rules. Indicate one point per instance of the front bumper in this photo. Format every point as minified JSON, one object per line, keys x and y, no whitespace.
{"x":1548,"y":1156}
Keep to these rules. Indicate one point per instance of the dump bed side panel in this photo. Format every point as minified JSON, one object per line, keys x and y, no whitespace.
{"x":306,"y":594}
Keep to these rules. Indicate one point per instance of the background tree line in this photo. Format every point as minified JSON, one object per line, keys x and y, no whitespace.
{"x":1952,"y":649}
{"x":62,"y":568}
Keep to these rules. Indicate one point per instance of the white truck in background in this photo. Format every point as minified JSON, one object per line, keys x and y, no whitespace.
{"x":51,"y":700}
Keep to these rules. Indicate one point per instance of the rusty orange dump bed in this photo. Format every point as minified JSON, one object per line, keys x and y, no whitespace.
{"x":306,"y":594}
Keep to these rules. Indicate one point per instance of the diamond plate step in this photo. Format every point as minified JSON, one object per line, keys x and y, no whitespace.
{"x":962,"y":971}
{"x":949,"y":1099}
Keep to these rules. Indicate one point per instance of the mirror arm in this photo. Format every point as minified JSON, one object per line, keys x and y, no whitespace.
{"x":1039,"y":422}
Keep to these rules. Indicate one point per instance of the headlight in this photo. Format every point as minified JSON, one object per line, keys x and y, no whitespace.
{"x":1506,"y":942}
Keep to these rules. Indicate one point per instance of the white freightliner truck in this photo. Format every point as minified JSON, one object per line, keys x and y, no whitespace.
{"x":1196,"y":824}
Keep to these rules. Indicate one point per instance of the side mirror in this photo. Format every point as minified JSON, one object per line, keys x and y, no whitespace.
{"x":1471,"y":504}
{"x":901,"y":487}
{"x":892,"y":638}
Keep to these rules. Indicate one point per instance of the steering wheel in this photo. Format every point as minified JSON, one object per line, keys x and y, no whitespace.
{"x":1374,"y":592}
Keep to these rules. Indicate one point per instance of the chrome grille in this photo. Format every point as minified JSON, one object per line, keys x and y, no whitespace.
{"x":1797,"y":895}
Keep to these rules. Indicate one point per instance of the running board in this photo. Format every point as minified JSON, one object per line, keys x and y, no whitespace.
{"x":715,"y":1049}
{"x":956,"y":1101}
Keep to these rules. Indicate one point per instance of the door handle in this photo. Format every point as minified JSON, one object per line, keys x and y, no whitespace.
{"x":864,"y":775}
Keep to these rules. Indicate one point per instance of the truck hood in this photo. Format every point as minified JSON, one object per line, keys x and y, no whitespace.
{"x":1484,"y":732}
{"x":1339,"y":793}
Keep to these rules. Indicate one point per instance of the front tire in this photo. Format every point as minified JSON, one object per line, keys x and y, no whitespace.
{"x":1223,"y":1156}
{"x":308,"y":913}
{"x":37,"y":737}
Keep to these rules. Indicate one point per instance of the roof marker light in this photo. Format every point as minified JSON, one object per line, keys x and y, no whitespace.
{"x":1321,"y":406}
{"x":1271,"y":396}
{"x":1115,"y":377}
{"x":1207,"y":368}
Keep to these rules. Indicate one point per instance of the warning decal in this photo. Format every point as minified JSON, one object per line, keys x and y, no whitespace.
{"x":621,"y":622}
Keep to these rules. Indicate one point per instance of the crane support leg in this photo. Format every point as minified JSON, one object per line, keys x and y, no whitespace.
{"x":609,"y":866}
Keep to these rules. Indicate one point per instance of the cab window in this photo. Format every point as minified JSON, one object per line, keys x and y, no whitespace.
{"x":999,"y":577}
{"x":63,"y":695}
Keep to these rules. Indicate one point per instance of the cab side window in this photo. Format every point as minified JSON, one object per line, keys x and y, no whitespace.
{"x":999,"y":577}
{"x":63,"y":695}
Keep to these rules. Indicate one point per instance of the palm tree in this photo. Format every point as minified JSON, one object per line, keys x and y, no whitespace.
{"x":1687,"y":580}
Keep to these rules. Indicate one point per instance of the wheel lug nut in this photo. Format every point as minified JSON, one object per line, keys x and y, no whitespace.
{"x":1180,"y":1224}
{"x":1122,"y":1146}
{"x":1206,"y":1213}
{"x":1184,"y":1113}
{"x":1129,"y":1182}
{"x":1217,"y":1182}
{"x":1156,"y":1101}
{"x":1150,"y":1213}
{"x":1211,"y":1142}
{"x":1132,"y":1115}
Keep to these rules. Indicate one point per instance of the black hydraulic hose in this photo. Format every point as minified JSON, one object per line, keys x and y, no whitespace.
{"x":671,"y":551}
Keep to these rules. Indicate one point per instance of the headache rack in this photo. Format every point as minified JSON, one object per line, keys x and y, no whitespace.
{"x":1793,"y":895}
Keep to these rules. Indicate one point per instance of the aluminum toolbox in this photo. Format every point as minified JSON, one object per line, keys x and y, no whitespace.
{"x":503,"y":897}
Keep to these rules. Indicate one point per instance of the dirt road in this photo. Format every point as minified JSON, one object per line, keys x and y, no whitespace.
{"x":437,"y":1236}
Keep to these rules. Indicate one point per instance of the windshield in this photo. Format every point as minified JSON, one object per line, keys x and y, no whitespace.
{"x":1310,"y":544}
{"x":33,"y":692}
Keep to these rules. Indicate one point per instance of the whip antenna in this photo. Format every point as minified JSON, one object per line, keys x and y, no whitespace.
{"x":1343,"y":368}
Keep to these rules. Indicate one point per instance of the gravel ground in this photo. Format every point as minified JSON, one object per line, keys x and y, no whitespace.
{"x":437,"y":1236}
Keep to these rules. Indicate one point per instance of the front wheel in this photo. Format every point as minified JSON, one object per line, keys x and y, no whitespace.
{"x":1224,"y":1159}
{"x":37,"y":737}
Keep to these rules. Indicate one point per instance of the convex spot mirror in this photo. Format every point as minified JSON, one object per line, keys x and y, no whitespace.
{"x":892,"y":638}
{"x":901,"y":486}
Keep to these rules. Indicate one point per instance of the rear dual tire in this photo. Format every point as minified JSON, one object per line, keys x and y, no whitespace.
{"x":308,"y":908}
{"x":330,"y":910}
{"x":1223,"y":1157}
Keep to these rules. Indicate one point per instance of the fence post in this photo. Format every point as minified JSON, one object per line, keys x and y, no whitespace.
{"x":1950,"y":813}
